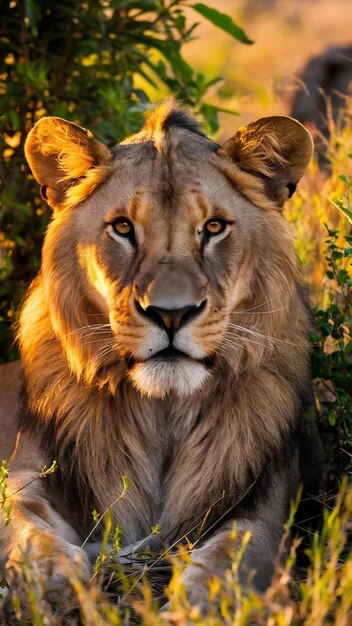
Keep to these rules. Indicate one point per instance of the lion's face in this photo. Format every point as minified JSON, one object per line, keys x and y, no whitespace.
{"x":162,"y":252}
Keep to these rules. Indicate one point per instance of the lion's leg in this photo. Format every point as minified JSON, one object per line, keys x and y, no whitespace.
{"x":255,"y":570}
{"x":39,"y":535}
{"x":214,"y":558}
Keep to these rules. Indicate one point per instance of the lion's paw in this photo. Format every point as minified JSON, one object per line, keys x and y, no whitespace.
{"x":53,"y":570}
{"x":197,"y":595}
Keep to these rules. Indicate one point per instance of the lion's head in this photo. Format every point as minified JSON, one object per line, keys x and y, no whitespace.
{"x":168,"y":254}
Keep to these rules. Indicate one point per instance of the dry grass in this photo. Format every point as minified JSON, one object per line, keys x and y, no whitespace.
{"x":317,"y":595}
{"x":312,"y":206}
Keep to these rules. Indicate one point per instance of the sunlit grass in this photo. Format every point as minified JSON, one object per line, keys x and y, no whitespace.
{"x":320,"y":594}
{"x":312,"y":206}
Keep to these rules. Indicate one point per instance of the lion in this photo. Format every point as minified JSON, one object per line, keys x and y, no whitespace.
{"x":165,"y":339}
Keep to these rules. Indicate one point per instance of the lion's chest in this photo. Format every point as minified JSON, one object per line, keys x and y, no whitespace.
{"x":168,"y":484}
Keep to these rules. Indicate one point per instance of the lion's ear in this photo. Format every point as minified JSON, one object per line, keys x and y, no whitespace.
{"x":66,"y":160}
{"x":276,"y":149}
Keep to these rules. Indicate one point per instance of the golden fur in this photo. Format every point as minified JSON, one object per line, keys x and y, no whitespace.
{"x":187,"y":435}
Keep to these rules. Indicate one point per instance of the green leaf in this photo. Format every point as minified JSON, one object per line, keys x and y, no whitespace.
{"x":210,"y":114}
{"x":20,"y":241}
{"x":116,"y":538}
{"x":32,"y":11}
{"x":107,"y":531}
{"x":343,"y":277}
{"x":344,"y":178}
{"x":332,"y":418}
{"x":125,"y":485}
{"x":229,"y":111}
{"x":223,"y":21}
{"x":344,"y":211}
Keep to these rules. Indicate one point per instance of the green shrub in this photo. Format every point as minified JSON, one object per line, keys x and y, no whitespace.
{"x":332,"y":353}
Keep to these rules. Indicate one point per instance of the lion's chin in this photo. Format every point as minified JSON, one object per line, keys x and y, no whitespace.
{"x":156,"y":379}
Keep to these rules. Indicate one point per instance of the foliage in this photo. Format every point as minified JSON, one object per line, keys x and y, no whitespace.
{"x":86,"y":62}
{"x":332,"y":354}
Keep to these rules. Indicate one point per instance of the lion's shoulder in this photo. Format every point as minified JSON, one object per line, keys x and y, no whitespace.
{"x":11,"y":380}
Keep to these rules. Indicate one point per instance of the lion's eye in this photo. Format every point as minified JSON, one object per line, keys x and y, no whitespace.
{"x":122,"y":226}
{"x":214,"y":227}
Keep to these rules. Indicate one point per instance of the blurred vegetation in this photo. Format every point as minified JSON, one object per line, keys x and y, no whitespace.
{"x":80,"y":60}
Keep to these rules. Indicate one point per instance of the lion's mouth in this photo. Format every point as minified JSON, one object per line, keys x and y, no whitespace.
{"x":169,"y":370}
{"x":171,"y":355}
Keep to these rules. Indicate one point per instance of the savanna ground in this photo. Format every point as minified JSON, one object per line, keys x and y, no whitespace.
{"x":314,"y":585}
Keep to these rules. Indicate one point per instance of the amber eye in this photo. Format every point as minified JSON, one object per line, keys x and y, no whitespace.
{"x":122,"y":226}
{"x":214,"y":227}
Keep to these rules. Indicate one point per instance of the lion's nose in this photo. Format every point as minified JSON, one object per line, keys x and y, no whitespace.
{"x":171,"y":319}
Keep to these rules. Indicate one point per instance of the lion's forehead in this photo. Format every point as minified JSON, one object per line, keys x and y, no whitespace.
{"x":147,"y":183}
{"x":171,"y":162}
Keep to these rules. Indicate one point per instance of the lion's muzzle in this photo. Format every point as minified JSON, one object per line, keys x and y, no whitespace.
{"x":170,"y":295}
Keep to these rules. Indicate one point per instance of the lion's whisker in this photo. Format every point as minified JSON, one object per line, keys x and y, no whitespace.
{"x":85,"y":331}
{"x":99,"y":334}
{"x":261,"y":303}
{"x":89,"y":327}
{"x":102,"y":353}
{"x":251,"y":331}
{"x":267,"y":337}
{"x":88,"y":343}
{"x":230,"y":343}
{"x":247,"y":340}
{"x":283,"y":308}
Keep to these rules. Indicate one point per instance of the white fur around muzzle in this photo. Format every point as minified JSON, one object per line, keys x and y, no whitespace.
{"x":155,"y":379}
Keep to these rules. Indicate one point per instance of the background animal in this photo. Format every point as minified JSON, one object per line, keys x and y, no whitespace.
{"x":326,"y":85}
